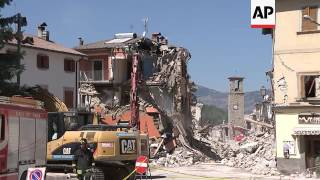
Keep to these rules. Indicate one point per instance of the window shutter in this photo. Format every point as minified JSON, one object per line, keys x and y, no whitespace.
{"x":42,"y":61}
{"x":46,"y":62}
{"x":66,"y":65}
{"x":72,"y":64}
{"x":69,"y":65}
{"x":68,"y":98}
{"x":308,"y":25}
{"x":39,"y":61}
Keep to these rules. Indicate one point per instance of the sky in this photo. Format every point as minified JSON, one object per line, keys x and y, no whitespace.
{"x":216,"y":32}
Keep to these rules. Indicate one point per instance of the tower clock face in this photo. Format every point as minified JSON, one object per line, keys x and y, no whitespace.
{"x":235,"y":107}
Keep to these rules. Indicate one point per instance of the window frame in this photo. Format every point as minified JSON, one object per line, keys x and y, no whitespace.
{"x":69,"y":65}
{"x":94,"y":70}
{"x":302,"y":30}
{"x":41,"y":65}
{"x":301,"y":96}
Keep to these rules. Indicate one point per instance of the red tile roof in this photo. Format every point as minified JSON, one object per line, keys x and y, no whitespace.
{"x":48,"y":45}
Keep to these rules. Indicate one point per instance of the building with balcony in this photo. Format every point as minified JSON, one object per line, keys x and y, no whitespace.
{"x":296,"y":84}
{"x":108,"y":67}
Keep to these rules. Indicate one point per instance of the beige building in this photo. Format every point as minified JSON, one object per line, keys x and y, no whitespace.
{"x":296,"y":84}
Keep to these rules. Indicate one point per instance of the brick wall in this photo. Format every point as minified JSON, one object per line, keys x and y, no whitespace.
{"x":85,"y":65}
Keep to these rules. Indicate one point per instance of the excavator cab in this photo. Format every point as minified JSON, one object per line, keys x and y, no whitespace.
{"x":60,"y":122}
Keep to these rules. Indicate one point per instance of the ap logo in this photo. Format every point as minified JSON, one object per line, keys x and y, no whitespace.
{"x":263,"y":13}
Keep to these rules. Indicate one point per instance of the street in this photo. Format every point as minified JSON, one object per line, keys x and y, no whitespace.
{"x":211,"y":171}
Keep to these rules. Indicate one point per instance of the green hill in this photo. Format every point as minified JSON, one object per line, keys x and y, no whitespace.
{"x":211,"y":114}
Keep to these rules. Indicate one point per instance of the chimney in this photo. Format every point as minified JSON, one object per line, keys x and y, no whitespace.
{"x":155,"y":36}
{"x":80,"y":41}
{"x":163,"y":40}
{"x":45,"y":35}
{"x":42,"y":33}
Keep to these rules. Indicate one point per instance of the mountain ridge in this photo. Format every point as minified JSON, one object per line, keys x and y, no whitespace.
{"x":220,"y":99}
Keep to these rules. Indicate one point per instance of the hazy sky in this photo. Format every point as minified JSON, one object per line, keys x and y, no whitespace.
{"x":217,"y":32}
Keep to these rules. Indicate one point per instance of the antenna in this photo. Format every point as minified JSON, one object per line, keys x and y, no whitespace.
{"x":145,"y":23}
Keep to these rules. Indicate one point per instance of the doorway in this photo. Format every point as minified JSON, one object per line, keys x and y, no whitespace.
{"x":312,"y":150}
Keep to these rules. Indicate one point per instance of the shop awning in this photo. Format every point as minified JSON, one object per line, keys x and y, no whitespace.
{"x":315,"y":130}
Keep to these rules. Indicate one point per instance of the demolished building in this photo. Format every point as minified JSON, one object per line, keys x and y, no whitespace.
{"x":165,"y":90}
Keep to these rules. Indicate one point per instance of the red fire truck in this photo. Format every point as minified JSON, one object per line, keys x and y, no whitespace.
{"x":23,"y":136}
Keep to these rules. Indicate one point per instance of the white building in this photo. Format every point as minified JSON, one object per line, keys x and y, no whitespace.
{"x":50,"y":66}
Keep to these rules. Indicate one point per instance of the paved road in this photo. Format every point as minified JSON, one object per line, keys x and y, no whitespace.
{"x":204,"y":171}
{"x":210,"y":171}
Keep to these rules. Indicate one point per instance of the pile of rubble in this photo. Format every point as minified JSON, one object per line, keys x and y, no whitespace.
{"x":168,"y":66}
{"x":254,"y":153}
{"x":179,"y":158}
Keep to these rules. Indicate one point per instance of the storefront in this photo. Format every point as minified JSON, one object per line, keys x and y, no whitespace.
{"x":297,"y":138}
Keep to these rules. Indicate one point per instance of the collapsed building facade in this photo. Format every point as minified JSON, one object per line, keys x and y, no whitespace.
{"x":165,"y":91}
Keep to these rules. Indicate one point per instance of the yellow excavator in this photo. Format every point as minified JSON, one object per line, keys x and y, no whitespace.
{"x":115,"y":147}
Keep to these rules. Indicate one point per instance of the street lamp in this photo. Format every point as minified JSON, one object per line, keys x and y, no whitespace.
{"x":263,"y":91}
{"x":307,"y":17}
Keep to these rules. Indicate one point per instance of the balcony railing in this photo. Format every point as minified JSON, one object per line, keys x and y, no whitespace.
{"x":92,"y":76}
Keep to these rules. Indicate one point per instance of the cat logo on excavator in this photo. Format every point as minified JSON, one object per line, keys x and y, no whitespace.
{"x":128,"y":146}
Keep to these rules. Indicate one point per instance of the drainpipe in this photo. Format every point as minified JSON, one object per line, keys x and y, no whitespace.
{"x":77,"y":84}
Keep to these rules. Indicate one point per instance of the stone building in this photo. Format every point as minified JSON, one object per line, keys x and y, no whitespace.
{"x":235,"y":103}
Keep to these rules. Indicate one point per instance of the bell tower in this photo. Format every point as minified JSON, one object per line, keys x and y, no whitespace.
{"x":235,"y":103}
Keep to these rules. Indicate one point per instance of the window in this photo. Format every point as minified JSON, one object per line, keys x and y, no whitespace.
{"x":69,"y":65}
{"x":97,"y":70}
{"x":2,"y":127}
{"x":42,"y":61}
{"x":68,"y":97}
{"x":310,"y":86}
{"x":308,"y":25}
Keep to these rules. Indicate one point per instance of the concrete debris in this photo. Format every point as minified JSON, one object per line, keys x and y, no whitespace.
{"x":256,"y":154}
{"x":88,"y":89}
{"x":92,"y":96}
{"x":168,"y":66}
{"x":179,"y":158}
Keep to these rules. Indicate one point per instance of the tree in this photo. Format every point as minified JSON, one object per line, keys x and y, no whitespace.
{"x":6,"y":31}
{"x":10,"y":65}
{"x":211,"y":115}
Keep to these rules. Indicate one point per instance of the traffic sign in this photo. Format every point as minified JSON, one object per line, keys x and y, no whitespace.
{"x":36,"y":173}
{"x":142,"y":164}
